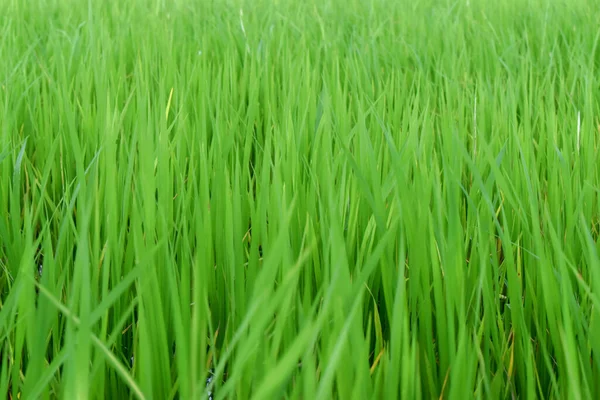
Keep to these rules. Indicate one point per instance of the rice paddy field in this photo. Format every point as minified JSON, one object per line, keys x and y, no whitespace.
{"x":332,"y":199}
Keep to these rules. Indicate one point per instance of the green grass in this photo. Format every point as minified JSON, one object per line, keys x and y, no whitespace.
{"x":300,"y":199}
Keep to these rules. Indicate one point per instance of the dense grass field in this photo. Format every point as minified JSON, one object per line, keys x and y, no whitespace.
{"x":321,"y":199}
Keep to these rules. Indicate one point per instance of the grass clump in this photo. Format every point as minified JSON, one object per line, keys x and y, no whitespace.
{"x":300,"y":200}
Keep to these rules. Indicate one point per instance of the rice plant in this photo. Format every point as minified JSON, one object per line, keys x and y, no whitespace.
{"x":333,"y":199}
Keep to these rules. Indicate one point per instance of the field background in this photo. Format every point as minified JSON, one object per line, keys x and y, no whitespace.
{"x":299,"y":199}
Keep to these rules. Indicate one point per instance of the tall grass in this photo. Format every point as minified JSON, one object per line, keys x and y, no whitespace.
{"x":299,"y":199}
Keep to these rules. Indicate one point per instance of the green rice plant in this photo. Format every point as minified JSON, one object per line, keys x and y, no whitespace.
{"x":299,"y":200}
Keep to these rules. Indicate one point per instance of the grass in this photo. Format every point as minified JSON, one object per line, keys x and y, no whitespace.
{"x":299,"y":200}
